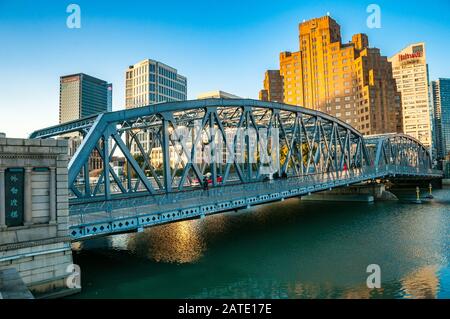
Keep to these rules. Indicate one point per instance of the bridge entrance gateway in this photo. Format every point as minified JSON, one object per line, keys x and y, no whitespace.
{"x":210,"y":156}
{"x":34,"y":217}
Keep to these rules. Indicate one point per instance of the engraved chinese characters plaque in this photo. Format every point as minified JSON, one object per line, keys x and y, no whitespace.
{"x":14,"y":188}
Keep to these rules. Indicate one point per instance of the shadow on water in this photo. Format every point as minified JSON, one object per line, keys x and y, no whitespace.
{"x":291,"y":249}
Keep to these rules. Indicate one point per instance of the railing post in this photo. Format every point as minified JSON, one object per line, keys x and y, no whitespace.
{"x":106,"y":167}
{"x":166,"y":155}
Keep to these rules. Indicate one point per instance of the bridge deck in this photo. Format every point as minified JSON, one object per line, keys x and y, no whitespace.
{"x":95,"y":219}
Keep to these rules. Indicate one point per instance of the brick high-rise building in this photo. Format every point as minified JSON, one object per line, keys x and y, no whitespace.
{"x":349,"y":81}
{"x":290,"y":73}
{"x":273,"y":87}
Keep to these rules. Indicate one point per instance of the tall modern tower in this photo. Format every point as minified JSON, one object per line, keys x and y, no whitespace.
{"x":410,"y":71}
{"x":82,"y":95}
{"x":440,"y":91}
{"x":149,"y":82}
{"x":350,"y":81}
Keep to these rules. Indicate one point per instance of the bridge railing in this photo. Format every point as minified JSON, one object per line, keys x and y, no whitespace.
{"x":82,"y":211}
{"x":316,"y":177}
{"x":120,"y":214}
{"x":346,"y":176}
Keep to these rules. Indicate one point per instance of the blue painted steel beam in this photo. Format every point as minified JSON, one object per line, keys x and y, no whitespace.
{"x":317,"y":130}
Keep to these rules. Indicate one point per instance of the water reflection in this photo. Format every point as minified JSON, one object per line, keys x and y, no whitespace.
{"x":422,"y":283}
{"x":182,"y":242}
{"x":292,"y":249}
{"x":173,"y":243}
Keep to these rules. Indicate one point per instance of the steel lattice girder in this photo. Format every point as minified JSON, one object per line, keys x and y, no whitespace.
{"x":311,"y":143}
{"x":399,"y":149}
{"x":69,"y":127}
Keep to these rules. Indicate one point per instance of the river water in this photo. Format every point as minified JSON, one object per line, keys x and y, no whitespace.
{"x":290,"y":249}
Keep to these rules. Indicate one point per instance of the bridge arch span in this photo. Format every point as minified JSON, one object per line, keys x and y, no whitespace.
{"x":398,"y":150}
{"x":309,"y":142}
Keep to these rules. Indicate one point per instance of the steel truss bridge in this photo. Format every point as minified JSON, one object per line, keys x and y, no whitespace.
{"x":161,"y":181}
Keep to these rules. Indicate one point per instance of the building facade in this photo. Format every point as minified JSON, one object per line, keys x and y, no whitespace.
{"x":82,"y":95}
{"x":440,"y":92}
{"x":410,"y":71}
{"x":149,"y":82}
{"x":349,"y":81}
{"x":273,"y":87}
{"x":217,"y":95}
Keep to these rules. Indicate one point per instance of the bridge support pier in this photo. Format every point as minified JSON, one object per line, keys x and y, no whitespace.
{"x":34,"y":214}
{"x":355,"y":193}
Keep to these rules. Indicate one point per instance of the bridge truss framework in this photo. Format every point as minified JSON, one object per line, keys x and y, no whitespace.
{"x":163,"y":171}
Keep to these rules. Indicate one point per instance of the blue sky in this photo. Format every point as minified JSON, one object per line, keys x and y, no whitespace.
{"x":223,"y":45}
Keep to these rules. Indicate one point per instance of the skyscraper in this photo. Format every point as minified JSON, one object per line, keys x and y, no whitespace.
{"x":349,"y":81}
{"x":149,"y":82}
{"x":290,"y":69}
{"x":410,"y":71}
{"x":82,"y":95}
{"x":440,"y":91}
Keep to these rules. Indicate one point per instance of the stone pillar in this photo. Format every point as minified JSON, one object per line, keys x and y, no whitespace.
{"x":28,"y":197}
{"x":2,"y":199}
{"x":41,"y":252}
{"x":52,"y":196}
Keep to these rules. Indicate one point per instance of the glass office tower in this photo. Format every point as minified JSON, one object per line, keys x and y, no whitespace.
{"x":82,"y":95}
{"x":441,"y":108}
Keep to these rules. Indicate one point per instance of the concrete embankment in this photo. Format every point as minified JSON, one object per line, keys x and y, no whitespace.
{"x":12,"y":285}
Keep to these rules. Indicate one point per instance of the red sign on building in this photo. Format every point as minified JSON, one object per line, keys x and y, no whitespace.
{"x":408,"y":56}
